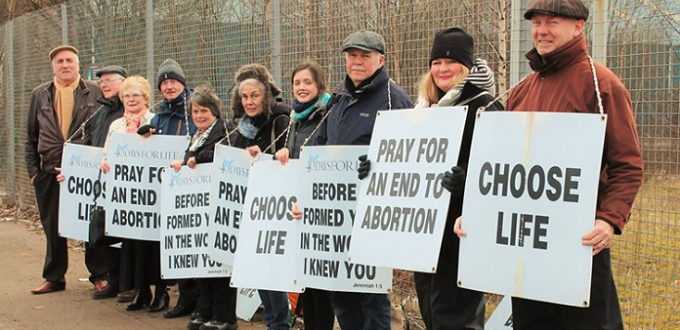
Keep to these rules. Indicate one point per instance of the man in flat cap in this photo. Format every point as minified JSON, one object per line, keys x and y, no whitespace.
{"x":366,"y":89}
{"x":562,"y":81}
{"x":57,"y":109}
{"x":104,"y":262}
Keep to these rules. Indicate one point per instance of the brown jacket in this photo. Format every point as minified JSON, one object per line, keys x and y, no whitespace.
{"x":563,"y":82}
{"x":44,"y":140}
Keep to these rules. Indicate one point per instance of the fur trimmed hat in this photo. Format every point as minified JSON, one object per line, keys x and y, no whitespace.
{"x":170,"y":69}
{"x":260,"y":73}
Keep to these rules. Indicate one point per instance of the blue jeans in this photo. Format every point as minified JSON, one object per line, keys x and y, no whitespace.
{"x":362,"y":311}
{"x":276,"y":311}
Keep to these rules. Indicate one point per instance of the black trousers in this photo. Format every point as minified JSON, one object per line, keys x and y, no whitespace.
{"x":217,"y":300}
{"x":604,"y":311}
{"x":56,"y":254}
{"x":103,"y":263}
{"x":127,"y":265}
{"x":188,"y":292}
{"x":443,"y":304}
{"x":317,"y":309}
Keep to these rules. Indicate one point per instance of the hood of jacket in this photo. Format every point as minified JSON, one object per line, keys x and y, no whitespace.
{"x":259,"y":72}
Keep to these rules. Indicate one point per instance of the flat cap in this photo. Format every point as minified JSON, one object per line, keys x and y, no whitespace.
{"x":57,"y":49}
{"x":565,"y":8}
{"x":112,"y":69}
{"x":365,"y":40}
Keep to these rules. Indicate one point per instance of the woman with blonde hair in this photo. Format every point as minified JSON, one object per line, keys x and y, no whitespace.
{"x":135,"y":92}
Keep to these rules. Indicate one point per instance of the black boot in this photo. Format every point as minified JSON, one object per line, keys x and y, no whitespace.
{"x":142,"y":300}
{"x":161,"y":300}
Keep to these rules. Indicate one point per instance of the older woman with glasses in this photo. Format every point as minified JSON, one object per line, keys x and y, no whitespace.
{"x":136,"y":95}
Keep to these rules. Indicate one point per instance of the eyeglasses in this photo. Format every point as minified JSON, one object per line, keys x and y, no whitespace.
{"x":132,"y":96}
{"x":108,"y":81}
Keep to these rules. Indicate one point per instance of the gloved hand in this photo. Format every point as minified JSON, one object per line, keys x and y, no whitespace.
{"x":364,"y":166}
{"x":145,"y":129}
{"x":454,"y":181}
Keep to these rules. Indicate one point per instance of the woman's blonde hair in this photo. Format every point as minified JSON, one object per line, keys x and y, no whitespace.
{"x":429,"y":90}
{"x":141,"y":83}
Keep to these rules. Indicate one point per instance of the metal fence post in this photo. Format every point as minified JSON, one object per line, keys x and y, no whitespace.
{"x":600,"y":30}
{"x":149,"y":46}
{"x":9,"y":106}
{"x":520,"y":42}
{"x":64,"y":25}
{"x":276,"y":41}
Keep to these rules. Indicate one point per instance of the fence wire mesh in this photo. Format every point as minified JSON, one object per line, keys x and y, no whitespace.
{"x":639,"y":40}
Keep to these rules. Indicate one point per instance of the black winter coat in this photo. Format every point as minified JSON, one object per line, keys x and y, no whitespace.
{"x":449,"y":255}
{"x":206,"y":152}
{"x":301,"y":130}
{"x":98,"y":126}
{"x":353,"y":111}
{"x":277,"y":121}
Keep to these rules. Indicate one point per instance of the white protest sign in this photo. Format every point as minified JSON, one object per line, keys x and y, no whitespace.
{"x":231,"y":167}
{"x":328,"y":191}
{"x":80,"y":165}
{"x":530,"y":196}
{"x":501,"y":319}
{"x":247,"y":303}
{"x":268,"y":235}
{"x":185,"y":209}
{"x":402,"y":207}
{"x":133,"y":204}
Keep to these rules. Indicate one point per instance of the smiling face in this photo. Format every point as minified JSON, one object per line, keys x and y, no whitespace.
{"x":171,"y":89}
{"x":361,"y":65}
{"x":444,"y":71}
{"x":552,"y":32}
{"x":202,"y":116}
{"x":109,"y":83}
{"x":65,"y":66}
{"x":252,"y":99}
{"x":305,"y":88}
{"x":134,"y":99}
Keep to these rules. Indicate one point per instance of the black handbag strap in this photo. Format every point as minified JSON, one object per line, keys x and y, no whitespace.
{"x":96,"y":193}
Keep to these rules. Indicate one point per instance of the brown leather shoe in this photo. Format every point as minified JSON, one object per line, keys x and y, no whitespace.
{"x":48,"y":287}
{"x":102,"y":290}
{"x":127,"y":296}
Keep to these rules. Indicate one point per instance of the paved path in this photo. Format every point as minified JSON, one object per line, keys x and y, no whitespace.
{"x":21,"y":258}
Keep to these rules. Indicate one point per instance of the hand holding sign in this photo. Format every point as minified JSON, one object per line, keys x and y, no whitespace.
{"x":454,"y":181}
{"x":600,"y":237}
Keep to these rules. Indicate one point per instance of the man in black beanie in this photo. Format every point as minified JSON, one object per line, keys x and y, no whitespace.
{"x":174,"y":118}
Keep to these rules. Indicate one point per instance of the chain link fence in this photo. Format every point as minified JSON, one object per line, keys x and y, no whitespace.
{"x":639,"y":40}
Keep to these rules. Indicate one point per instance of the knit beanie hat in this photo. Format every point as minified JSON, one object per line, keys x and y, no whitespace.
{"x":453,"y":43}
{"x":170,"y":69}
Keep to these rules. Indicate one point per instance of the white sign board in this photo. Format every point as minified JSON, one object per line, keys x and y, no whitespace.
{"x":185,"y":209}
{"x":402,"y":207}
{"x":530,"y":195}
{"x":80,"y":165}
{"x":501,"y":319}
{"x":231,"y":167}
{"x":328,"y":189}
{"x":247,"y":303}
{"x":268,"y":237}
{"x":133,"y":200}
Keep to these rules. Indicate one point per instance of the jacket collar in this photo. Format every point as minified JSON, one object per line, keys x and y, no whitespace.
{"x":174,"y":106}
{"x":572,"y":52}
{"x":81,"y":85}
{"x":378,"y":80}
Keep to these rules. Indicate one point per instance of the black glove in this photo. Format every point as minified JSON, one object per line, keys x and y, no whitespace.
{"x":144,"y":129}
{"x":364,"y":166}
{"x":454,"y":181}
